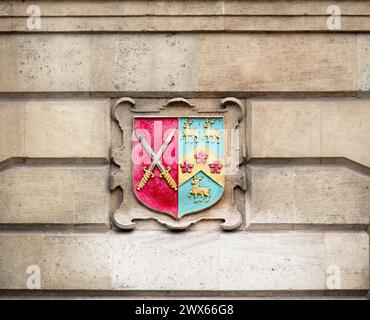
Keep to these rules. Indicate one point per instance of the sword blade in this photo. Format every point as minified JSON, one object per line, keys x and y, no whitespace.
{"x":149,"y":150}
{"x":159,"y":154}
{"x":156,"y":157}
{"x":145,"y":145}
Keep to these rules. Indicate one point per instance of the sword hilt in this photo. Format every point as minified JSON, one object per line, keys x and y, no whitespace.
{"x":165,"y":174}
{"x":147,"y":175}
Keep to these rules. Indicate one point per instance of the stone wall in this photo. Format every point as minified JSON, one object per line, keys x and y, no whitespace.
{"x":306,"y":91}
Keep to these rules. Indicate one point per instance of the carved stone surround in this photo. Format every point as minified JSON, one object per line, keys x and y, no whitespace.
{"x":229,"y":210}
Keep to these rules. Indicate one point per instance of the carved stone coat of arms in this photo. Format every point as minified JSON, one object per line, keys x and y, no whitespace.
{"x":186,"y":162}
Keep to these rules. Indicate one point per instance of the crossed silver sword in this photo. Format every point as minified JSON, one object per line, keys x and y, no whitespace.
{"x":148,"y":173}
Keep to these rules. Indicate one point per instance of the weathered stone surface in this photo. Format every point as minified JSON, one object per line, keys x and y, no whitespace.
{"x":296,"y":260}
{"x":7,"y":53}
{"x":291,"y":23}
{"x":55,"y":136}
{"x":171,"y":16}
{"x":313,"y":128}
{"x":259,"y":261}
{"x":54,"y":195}
{"x":185,"y":23}
{"x":284,"y":129}
{"x":308,"y":194}
{"x":238,"y":261}
{"x":17,"y":253}
{"x":160,"y":62}
{"x":119,"y":24}
{"x":166,"y":261}
{"x":342,"y":250}
{"x":55,"y":128}
{"x":273,"y":262}
{"x":77,"y":262}
{"x":300,"y":7}
{"x":115,"y":8}
{"x":100,"y":63}
{"x":279,"y":62}
{"x":48,"y":63}
{"x":12,"y":129}
{"x":346,"y":130}
{"x":180,"y":62}
{"x":64,"y":124}
{"x":363,"y":54}
{"x":170,"y":7}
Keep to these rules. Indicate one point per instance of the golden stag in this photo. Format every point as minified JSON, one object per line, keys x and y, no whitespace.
{"x":188,"y":133}
{"x":209,"y":133}
{"x":197,"y":191}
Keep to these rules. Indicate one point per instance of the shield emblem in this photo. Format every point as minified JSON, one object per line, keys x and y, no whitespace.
{"x":178,"y":163}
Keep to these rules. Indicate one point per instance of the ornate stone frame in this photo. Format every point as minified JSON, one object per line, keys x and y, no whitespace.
{"x":229,"y":210}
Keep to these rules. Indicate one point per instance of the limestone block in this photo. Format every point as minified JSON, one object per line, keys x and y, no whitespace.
{"x":114,"y":8}
{"x":170,"y":16}
{"x":300,"y":7}
{"x":277,"y":62}
{"x":185,"y":23}
{"x":179,"y":62}
{"x":170,"y":7}
{"x":40,"y":63}
{"x":17,"y":253}
{"x":292,"y":23}
{"x":77,"y":262}
{"x":293,"y":260}
{"x":192,"y":7}
{"x":119,"y":24}
{"x":7,"y":53}
{"x":155,"y":63}
{"x":59,"y":129}
{"x":346,"y":130}
{"x":363,"y":64}
{"x":238,"y":261}
{"x":310,"y":128}
{"x":12,"y":130}
{"x":55,"y":128}
{"x":47,"y":63}
{"x":274,"y":261}
{"x":247,"y":261}
{"x":54,"y":195}
{"x":308,"y":194}
{"x":166,"y":261}
{"x":342,"y":250}
{"x":285,"y":129}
